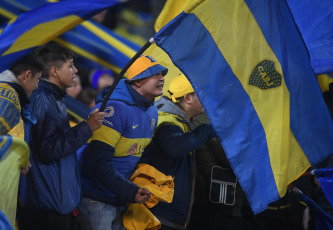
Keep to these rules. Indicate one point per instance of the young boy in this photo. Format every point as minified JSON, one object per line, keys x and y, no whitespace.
{"x":51,"y":192}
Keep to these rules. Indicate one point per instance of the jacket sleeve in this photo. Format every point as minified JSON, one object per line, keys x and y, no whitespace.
{"x":52,"y":138}
{"x":103,"y":170}
{"x":176,"y":143}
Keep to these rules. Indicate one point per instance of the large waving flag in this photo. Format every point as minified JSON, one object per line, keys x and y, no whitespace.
{"x":14,"y":155}
{"x":251,"y":70}
{"x":97,"y":44}
{"x":42,"y":24}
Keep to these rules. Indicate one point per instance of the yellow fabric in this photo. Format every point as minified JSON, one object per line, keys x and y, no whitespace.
{"x":170,"y":119}
{"x":324,"y":81}
{"x":60,"y":25}
{"x":180,"y":86}
{"x":18,"y":130}
{"x":170,"y":10}
{"x":160,"y":185}
{"x":123,"y":146}
{"x":15,"y":157}
{"x":140,"y":65}
{"x":138,"y":216}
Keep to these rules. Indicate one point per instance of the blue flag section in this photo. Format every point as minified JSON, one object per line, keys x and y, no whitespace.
{"x":38,"y":26}
{"x":4,"y":224}
{"x":77,"y":109}
{"x":314,"y":20}
{"x":325,"y":179}
{"x":251,"y":71}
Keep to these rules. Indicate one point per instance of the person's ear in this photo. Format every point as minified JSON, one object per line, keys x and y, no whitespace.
{"x":53,"y":71}
{"x":27,"y":75}
{"x":137,"y":83}
{"x":188,"y":98}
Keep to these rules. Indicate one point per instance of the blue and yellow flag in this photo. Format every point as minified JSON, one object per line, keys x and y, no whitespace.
{"x":42,"y":24}
{"x":252,"y":73}
{"x":14,"y":155}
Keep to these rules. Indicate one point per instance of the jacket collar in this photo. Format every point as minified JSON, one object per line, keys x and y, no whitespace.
{"x":138,"y":98}
{"x":53,"y":87}
{"x":124,"y":92}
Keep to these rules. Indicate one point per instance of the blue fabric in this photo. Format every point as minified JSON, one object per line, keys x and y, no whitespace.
{"x":78,"y":108}
{"x":325,"y":178}
{"x":6,"y":142}
{"x":4,"y":223}
{"x":53,"y":182}
{"x":323,"y":220}
{"x":150,"y":72}
{"x":314,"y":20}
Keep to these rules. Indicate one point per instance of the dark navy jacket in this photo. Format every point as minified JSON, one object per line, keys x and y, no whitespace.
{"x":172,"y":153}
{"x":53,"y":182}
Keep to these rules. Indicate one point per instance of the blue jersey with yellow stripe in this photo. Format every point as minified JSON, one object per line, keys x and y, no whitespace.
{"x":115,"y":148}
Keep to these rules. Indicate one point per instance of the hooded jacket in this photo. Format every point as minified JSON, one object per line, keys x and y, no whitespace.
{"x":172,"y":153}
{"x":53,"y":182}
{"x":13,"y":100}
{"x":108,"y":161}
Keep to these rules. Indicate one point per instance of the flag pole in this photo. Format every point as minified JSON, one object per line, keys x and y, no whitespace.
{"x":123,"y":71}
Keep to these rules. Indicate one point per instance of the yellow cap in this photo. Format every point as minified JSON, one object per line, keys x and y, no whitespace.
{"x":179,"y":86}
{"x":143,"y":67}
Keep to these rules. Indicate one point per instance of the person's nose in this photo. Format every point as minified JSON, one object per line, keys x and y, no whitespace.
{"x":75,"y":70}
{"x":160,"y":77}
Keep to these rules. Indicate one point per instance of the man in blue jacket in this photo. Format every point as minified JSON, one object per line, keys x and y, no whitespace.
{"x":172,"y":150}
{"x":110,"y":158}
{"x":51,"y":190}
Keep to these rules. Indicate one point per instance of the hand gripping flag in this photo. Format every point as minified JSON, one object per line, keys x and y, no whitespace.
{"x":251,"y":70}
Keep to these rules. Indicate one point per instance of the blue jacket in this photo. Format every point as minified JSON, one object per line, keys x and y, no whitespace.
{"x":53,"y":182}
{"x":172,"y":153}
{"x":109,"y":159}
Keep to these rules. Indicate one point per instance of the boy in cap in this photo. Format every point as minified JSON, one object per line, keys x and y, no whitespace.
{"x":109,"y":159}
{"x":172,"y":150}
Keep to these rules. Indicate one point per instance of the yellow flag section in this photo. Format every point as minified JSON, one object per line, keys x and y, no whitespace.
{"x":324,"y":81}
{"x":32,"y":38}
{"x":170,"y":10}
{"x":14,"y":155}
